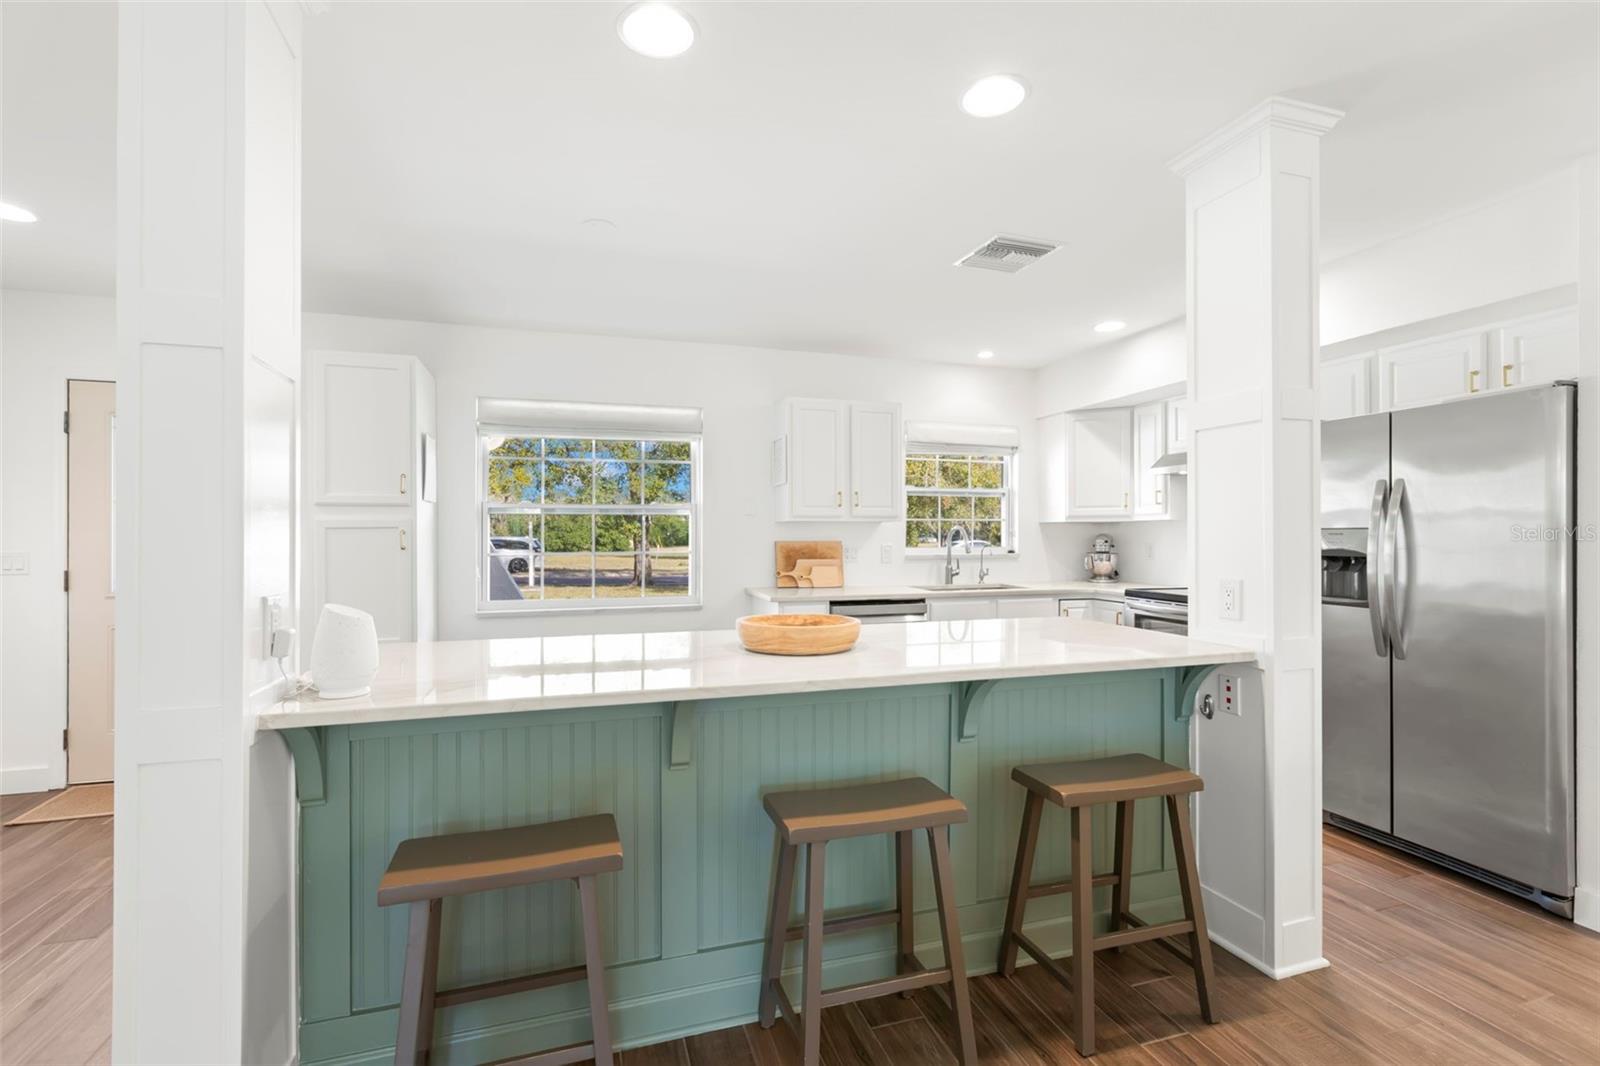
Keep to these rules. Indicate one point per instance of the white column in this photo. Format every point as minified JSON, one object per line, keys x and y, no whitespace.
{"x":208,"y":317}
{"x":1251,"y":206}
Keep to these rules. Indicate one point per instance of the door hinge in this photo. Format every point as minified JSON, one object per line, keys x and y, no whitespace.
{"x":66,"y":581}
{"x":63,"y":740}
{"x":66,"y":421}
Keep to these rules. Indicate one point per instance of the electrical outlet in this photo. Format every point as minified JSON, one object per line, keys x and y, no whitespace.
{"x":886,"y":553}
{"x":1230,"y":689}
{"x":1232,"y":593}
{"x":271,"y":622}
{"x":850,"y":554}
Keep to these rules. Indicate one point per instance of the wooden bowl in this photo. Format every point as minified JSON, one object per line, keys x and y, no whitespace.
{"x":798,"y":634}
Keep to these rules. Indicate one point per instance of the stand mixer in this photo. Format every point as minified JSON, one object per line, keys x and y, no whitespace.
{"x":1101,"y":559}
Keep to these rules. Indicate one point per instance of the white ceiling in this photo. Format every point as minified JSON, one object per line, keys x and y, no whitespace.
{"x":803,"y":178}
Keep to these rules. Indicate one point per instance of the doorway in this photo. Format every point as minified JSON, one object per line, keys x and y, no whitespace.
{"x":91,"y":580}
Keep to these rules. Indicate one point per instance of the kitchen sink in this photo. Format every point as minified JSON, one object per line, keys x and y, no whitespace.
{"x":968,"y":588}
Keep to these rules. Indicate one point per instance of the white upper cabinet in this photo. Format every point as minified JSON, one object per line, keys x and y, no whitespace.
{"x":361,"y":426}
{"x":1177,"y":426}
{"x":1538,"y":350}
{"x":1347,"y":386}
{"x":368,"y":563}
{"x":877,"y":463}
{"x":1100,"y":464}
{"x":1430,"y":371}
{"x":835,"y":459}
{"x":1149,"y":444}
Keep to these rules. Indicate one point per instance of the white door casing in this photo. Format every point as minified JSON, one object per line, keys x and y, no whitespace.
{"x":91,"y":585}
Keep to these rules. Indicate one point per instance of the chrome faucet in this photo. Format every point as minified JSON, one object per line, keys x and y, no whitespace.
{"x":952,"y":569}
{"x":983,"y":552}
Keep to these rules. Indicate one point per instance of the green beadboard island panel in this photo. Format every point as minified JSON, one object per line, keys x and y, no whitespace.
{"x":683,"y":920}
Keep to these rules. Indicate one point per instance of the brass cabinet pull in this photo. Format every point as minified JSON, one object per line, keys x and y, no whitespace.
{"x":1472,"y":380}
{"x":402,"y":484}
{"x":402,"y":540}
{"x":838,"y":498}
{"x":858,"y":497}
{"x":1505,"y":374}
{"x":1158,"y":497}
{"x":1124,"y":500}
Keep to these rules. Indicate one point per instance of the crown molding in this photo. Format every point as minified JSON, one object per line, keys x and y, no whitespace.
{"x":1276,"y":112}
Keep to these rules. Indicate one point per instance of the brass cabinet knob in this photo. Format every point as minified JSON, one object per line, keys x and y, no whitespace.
{"x":1505,"y":374}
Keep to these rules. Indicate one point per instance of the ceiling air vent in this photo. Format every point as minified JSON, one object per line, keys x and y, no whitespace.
{"x":1006,"y":254}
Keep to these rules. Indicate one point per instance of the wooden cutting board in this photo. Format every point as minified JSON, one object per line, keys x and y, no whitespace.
{"x":787,"y":553}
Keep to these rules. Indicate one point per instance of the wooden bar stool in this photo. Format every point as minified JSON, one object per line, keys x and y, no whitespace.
{"x":815,"y":817}
{"x":424,"y":870}
{"x":1078,"y":786}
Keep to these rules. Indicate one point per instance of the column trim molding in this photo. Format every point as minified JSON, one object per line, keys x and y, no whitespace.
{"x":1278,"y":112}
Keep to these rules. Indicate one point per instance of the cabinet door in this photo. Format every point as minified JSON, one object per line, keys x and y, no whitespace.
{"x":1079,"y":609}
{"x":1346,"y":387}
{"x":818,"y":463}
{"x":367,"y":564}
{"x":1027,"y":607}
{"x":1538,"y":350}
{"x":1430,"y":371}
{"x":1106,"y":611}
{"x":958,"y":609}
{"x":877,"y":469}
{"x":1149,"y":443}
{"x":1099,"y":463}
{"x":362,"y":448}
{"x":1177,"y":426}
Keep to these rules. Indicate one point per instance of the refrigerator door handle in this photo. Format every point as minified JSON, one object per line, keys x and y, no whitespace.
{"x":1397,"y":536}
{"x":1375,"y":570}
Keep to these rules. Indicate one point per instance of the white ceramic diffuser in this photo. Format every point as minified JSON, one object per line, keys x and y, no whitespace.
{"x":344,"y":653}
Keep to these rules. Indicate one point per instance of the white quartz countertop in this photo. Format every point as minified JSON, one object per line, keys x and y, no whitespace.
{"x":1109,"y":590}
{"x":467,"y":677}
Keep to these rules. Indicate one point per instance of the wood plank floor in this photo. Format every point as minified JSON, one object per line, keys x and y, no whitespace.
{"x":1427,"y":967}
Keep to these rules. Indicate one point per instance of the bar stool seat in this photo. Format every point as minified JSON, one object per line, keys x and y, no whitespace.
{"x":1078,"y":785}
{"x":426,"y":870}
{"x":813,"y":818}
{"x":861,"y":810}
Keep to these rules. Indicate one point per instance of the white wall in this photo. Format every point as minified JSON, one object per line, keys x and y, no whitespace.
{"x":1524,"y":242}
{"x":1149,"y":552}
{"x":1152,"y":362}
{"x":737,"y":388}
{"x":45,"y":338}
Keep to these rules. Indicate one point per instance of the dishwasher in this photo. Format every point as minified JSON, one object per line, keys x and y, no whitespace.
{"x":873,"y":612}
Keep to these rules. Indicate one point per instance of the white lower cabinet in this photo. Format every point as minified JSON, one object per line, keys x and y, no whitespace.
{"x":1027,"y":607}
{"x":952,"y":610}
{"x":1106,"y":611}
{"x":1080,"y":609}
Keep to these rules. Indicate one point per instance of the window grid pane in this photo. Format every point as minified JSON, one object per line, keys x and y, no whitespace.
{"x":945,"y":490}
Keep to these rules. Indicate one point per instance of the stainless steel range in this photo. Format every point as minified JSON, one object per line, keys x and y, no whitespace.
{"x":1164,"y":610}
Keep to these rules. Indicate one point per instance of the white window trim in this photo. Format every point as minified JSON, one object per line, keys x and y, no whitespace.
{"x":488,"y":608}
{"x":1008,"y":495}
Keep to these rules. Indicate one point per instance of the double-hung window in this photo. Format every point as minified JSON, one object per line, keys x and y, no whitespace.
{"x":587,"y":505}
{"x":960,"y":480}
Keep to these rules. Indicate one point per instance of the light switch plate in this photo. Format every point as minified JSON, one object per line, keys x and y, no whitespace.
{"x":886,"y":553}
{"x":14,"y":563}
{"x":850,"y":554}
{"x":1232,"y":592}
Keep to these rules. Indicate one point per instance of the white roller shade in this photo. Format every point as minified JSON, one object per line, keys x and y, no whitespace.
{"x":557,"y":417}
{"x":959,"y":438}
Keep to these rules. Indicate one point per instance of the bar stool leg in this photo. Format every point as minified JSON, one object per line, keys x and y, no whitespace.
{"x":811,"y":1013}
{"x":417,"y":986}
{"x":1122,"y":894}
{"x":1021,"y":875}
{"x":950,"y":932}
{"x":594,"y":963}
{"x":1194,"y":907}
{"x":1083,"y":927}
{"x":905,"y":907}
{"x":777,"y":930}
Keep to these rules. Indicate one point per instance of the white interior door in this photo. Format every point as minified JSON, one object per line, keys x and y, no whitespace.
{"x":91,"y":581}
{"x":1099,"y":463}
{"x":877,"y":471}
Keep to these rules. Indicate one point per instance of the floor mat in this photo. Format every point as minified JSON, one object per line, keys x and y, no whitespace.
{"x":78,"y":801}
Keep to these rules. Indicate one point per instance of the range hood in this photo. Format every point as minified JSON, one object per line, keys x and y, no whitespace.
{"x":1172,"y":462}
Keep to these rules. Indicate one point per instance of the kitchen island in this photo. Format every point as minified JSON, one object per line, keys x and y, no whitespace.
{"x":678,"y":735}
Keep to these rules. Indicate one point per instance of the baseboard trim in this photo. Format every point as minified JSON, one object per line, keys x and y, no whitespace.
{"x":1586,"y":907}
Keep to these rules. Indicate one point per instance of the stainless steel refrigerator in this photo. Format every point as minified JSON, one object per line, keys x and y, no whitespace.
{"x":1447,"y":634}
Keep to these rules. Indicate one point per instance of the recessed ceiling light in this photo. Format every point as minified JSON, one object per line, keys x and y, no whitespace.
{"x":994,"y":95}
{"x":1111,"y":325}
{"x":986,"y":354}
{"x":659,"y":31}
{"x":13,"y":213}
